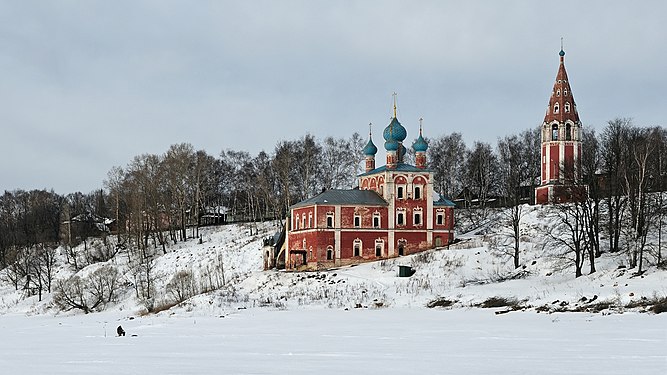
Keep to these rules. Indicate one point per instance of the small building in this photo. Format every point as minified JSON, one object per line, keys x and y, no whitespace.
{"x":392,"y":212}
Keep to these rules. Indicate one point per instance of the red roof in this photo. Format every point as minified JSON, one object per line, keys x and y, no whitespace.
{"x":561,"y":104}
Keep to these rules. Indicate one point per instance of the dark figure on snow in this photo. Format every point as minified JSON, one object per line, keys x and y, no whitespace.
{"x":120,"y":331}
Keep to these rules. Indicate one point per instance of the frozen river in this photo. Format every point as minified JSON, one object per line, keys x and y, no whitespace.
{"x":389,"y":341}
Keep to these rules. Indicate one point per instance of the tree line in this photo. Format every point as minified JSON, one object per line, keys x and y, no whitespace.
{"x":158,"y":198}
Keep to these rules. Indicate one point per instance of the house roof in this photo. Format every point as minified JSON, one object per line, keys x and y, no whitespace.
{"x":443,"y":202}
{"x":344,"y":197}
{"x":401,"y":167}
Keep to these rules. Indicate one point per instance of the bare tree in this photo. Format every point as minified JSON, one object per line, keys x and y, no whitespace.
{"x":513,"y":171}
{"x":182,"y":286}
{"x":614,"y":160}
{"x":569,"y":239}
{"x":446,"y":156}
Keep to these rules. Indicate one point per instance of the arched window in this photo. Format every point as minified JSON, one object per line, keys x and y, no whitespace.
{"x":558,"y":92}
{"x":554,"y":132}
{"x":376,"y":220}
{"x":567,"y":107}
{"x":329,"y":253}
{"x":556,"y":108}
{"x":379,"y":248}
{"x":440,"y":217}
{"x":565,"y":92}
{"x":568,"y":132}
{"x":357,"y":221}
{"x":400,"y":218}
{"x":418,"y":192}
{"x":417,"y":217}
{"x":357,"y":248}
{"x":296,"y":222}
{"x":310,"y":220}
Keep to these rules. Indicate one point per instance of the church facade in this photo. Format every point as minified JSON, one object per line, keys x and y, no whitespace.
{"x":393,"y":212}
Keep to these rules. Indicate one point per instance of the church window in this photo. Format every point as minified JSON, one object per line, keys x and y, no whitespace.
{"x":357,"y":248}
{"x":400,"y":192}
{"x":558,"y":92}
{"x":296,"y":222}
{"x":330,"y":220}
{"x":310,"y":220}
{"x":440,"y":218}
{"x":556,"y":108}
{"x":311,"y":252}
{"x":357,"y":221}
{"x":554,"y":132}
{"x":379,"y":246}
{"x":568,"y":132}
{"x":400,"y":218}
{"x":417,"y":218}
{"x":567,"y":107}
{"x":303,"y":221}
{"x":376,"y":220}
{"x":329,"y":253}
{"x":565,"y":92}
{"x":304,"y":244}
{"x":418,"y":192}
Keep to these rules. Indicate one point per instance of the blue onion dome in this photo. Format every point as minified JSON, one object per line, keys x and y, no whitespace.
{"x":370,"y":149}
{"x":395,"y":130}
{"x":561,"y":53}
{"x":420,"y":144}
{"x":391,"y":145}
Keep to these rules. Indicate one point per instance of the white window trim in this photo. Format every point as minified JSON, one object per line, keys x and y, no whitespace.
{"x":417,"y":212}
{"x":333,"y":220}
{"x":400,"y":212}
{"x":381,"y":243}
{"x":357,"y":241}
{"x":418,"y":188}
{"x":398,"y":189}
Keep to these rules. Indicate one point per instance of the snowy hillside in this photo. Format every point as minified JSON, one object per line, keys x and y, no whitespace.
{"x":467,"y":274}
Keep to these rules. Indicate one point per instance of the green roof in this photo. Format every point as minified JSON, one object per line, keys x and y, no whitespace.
{"x":344,"y":197}
{"x":444,"y":202}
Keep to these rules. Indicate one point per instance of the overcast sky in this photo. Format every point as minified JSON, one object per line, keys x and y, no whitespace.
{"x":88,"y":85}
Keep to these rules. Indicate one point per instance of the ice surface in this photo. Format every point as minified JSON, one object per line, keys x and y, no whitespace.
{"x":331,"y":341}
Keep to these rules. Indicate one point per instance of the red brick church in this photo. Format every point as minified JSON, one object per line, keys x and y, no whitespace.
{"x":393,"y":212}
{"x":561,"y":145}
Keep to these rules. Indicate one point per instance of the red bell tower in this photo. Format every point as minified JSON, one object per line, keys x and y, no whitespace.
{"x":561,"y":145}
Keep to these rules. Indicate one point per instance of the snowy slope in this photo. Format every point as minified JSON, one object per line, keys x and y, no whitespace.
{"x":466,"y":274}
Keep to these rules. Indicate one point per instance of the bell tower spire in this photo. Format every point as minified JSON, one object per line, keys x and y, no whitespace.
{"x":561,"y":144}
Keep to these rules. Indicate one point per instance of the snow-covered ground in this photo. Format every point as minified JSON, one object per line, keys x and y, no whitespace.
{"x":361,"y":319}
{"x":334,"y":341}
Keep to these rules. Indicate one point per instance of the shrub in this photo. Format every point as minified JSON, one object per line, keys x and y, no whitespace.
{"x":182,"y":286}
{"x":91,"y":293}
{"x":440,"y":302}
{"x":660,"y":307}
{"x":492,"y":302}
